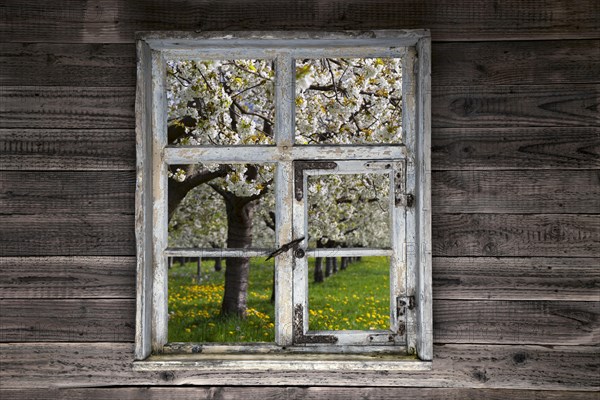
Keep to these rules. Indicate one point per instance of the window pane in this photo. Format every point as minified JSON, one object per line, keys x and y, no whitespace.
{"x":196,"y":291}
{"x":348,"y":101}
{"x":220,"y":102}
{"x":347,"y":293}
{"x":234,"y":209}
{"x":349,"y":211}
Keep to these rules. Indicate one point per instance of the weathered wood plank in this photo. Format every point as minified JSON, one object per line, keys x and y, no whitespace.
{"x":117,"y":21}
{"x":66,"y":149}
{"x":290,"y":393}
{"x":47,"y":64}
{"x":66,"y":107}
{"x":69,"y":234}
{"x":480,"y":278}
{"x":516,"y":235}
{"x":525,"y":105}
{"x":515,"y":148}
{"x":516,"y":63}
{"x":538,"y":278}
{"x":462,"y":63}
{"x":505,"y":192}
{"x":40,"y":365}
{"x":73,"y":192}
{"x":82,"y":320}
{"x":455,"y":321}
{"x":67,"y":277}
{"x":456,"y":235}
{"x":519,"y":322}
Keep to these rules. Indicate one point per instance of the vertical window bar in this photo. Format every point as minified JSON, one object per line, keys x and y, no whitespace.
{"x":284,"y":138}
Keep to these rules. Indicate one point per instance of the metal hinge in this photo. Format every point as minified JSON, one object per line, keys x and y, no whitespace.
{"x":403,"y":303}
{"x":406,"y":200}
{"x":300,"y":166}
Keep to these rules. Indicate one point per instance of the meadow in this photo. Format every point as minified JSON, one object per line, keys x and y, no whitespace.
{"x":354,"y":298}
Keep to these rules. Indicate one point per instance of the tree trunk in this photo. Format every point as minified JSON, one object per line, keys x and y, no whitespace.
{"x":218,"y":265}
{"x":344,"y":263}
{"x":239,"y":235}
{"x":318,"y":276}
{"x":328,"y":266}
{"x":199,"y":270}
{"x":334,"y":265}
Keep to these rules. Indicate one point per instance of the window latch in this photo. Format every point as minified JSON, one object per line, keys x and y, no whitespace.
{"x":291,"y":245}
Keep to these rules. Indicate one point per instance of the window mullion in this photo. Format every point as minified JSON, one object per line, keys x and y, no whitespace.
{"x":284,"y":138}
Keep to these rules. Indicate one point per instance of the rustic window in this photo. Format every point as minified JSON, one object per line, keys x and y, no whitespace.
{"x":297,"y":147}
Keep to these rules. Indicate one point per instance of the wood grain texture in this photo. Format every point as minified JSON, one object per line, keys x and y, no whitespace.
{"x":460,"y":63}
{"x":506,"y":192}
{"x":516,"y":235}
{"x":73,"y":192}
{"x":480,"y":278}
{"x":66,"y":107}
{"x":46,"y":64}
{"x":117,"y":20}
{"x":534,"y":278}
{"x":455,"y":321}
{"x":82,"y":320}
{"x":67,"y":277}
{"x":67,"y":149}
{"x":516,"y":63}
{"x":40,"y":365}
{"x":507,"y":106}
{"x":519,"y":322}
{"x":69,"y":234}
{"x":456,"y":235}
{"x":515,"y":148}
{"x":290,"y":393}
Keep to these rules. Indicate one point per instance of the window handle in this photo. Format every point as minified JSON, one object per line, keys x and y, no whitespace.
{"x":293,"y":244}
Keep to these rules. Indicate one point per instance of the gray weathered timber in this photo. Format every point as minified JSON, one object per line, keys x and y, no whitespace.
{"x":33,"y":64}
{"x":290,"y":393}
{"x":520,"y":191}
{"x":455,"y":321}
{"x":516,"y":235}
{"x":516,"y":63}
{"x":67,"y":277}
{"x":73,"y":192}
{"x":69,"y":234}
{"x":67,"y":149}
{"x":576,"y":368}
{"x":519,"y":322}
{"x":525,"y":105}
{"x":60,"y":320}
{"x":117,"y":21}
{"x":512,"y":278}
{"x":515,"y":148}
{"x":463,"y":63}
{"x":66,"y":107}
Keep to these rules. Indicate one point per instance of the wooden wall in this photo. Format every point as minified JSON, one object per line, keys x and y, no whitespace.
{"x":516,"y":196}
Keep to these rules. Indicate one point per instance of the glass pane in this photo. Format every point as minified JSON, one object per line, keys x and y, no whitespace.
{"x":347,"y":293}
{"x":234,"y":209}
{"x":349,"y":211}
{"x":220,"y":102}
{"x":197,"y":312}
{"x":349,"y":101}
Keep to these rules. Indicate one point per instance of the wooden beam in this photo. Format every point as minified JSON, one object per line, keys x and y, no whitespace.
{"x":61,"y":365}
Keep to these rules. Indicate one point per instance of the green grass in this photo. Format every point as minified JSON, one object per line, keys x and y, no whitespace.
{"x":356,"y":298}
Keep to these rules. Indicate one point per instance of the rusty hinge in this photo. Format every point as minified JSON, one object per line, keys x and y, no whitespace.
{"x":403,"y":303}
{"x":300,"y":166}
{"x":406,"y":200}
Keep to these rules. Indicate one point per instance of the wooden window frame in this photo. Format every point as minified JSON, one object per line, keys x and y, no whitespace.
{"x":411,"y":245}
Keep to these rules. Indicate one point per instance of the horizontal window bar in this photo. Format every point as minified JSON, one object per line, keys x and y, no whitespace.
{"x":258,"y":154}
{"x":224,"y":253}
{"x":348,"y":252}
